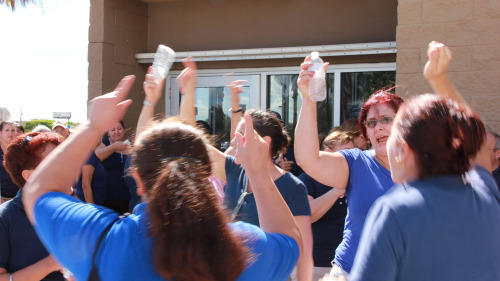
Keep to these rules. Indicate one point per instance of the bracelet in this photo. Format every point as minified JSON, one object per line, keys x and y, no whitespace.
{"x":10,"y":277}
{"x":147,"y":103}
{"x":236,"y":111}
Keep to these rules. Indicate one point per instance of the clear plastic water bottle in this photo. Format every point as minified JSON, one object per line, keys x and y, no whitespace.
{"x":317,"y":85}
{"x":164,"y":58}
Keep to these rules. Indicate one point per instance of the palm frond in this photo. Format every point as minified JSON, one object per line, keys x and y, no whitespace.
{"x":12,"y":3}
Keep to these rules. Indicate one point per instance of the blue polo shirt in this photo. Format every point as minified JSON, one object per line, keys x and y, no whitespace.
{"x":7,"y":186}
{"x":70,"y":230}
{"x":438,"y":228}
{"x":19,"y":244}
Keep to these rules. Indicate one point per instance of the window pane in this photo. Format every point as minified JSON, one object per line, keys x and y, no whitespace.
{"x":212,"y":106}
{"x":356,"y":87}
{"x":284,"y":97}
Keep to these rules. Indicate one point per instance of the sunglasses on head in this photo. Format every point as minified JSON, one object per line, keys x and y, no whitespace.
{"x":383,"y":120}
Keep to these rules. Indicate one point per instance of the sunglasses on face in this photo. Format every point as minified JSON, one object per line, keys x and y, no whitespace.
{"x":383,"y":120}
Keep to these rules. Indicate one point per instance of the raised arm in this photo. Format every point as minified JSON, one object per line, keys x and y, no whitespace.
{"x":59,"y":169}
{"x":152,"y":92}
{"x":439,"y":58}
{"x":274,"y":214}
{"x":187,"y":84}
{"x":328,"y":168}
{"x":187,"y":87}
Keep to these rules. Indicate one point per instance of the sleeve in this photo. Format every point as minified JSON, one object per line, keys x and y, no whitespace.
{"x":230,"y":165}
{"x":70,"y":229}
{"x":350,"y":155}
{"x":93,"y":160}
{"x":4,"y":243}
{"x":381,"y":246}
{"x":275,"y":254}
{"x":296,"y":198}
{"x":309,"y":184}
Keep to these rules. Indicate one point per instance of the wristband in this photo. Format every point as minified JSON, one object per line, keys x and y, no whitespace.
{"x":236,"y":111}
{"x":10,"y":277}
{"x":147,"y":103}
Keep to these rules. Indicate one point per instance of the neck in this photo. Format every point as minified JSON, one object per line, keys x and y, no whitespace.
{"x":382,"y":159}
{"x":4,"y":146}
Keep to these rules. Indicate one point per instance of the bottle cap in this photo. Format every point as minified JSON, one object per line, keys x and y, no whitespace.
{"x":314,"y":55}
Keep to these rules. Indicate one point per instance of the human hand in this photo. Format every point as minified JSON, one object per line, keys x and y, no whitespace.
{"x":439,"y":58}
{"x":339,"y":193}
{"x":236,"y":88}
{"x":306,"y":75}
{"x":105,"y":110}
{"x":120,"y":146}
{"x":187,"y":79}
{"x":253,"y":150}
{"x":284,"y":163}
{"x":152,"y":89}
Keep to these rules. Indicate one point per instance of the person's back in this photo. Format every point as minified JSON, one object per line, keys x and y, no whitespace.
{"x":439,"y":228}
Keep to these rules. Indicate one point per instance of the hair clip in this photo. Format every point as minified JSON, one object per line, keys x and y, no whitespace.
{"x":27,"y":139}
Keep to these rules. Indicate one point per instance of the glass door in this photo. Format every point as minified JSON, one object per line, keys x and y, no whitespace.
{"x":213,"y":101}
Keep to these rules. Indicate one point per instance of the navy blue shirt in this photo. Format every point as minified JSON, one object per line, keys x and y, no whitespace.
{"x":439,"y":228}
{"x":114,"y":165}
{"x":98,"y":183}
{"x":292,"y":190}
{"x":19,"y":244}
{"x":9,"y":189}
{"x":328,"y":230}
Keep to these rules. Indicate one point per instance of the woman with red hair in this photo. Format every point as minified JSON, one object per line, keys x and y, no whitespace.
{"x":22,"y":254}
{"x":364,"y":175}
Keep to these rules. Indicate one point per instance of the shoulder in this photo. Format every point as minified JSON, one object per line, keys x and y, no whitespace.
{"x":356,"y":154}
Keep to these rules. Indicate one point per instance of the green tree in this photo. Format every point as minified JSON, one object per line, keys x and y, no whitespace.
{"x":33,"y":123}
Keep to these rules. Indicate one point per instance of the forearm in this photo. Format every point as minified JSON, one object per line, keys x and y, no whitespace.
{"x":187,"y":109}
{"x":87,"y":193}
{"x":321,"y":205}
{"x":235,"y":119}
{"x":305,"y":263}
{"x":58,"y":170}
{"x":442,"y":86}
{"x":274,"y":214}
{"x":34,"y":272}
{"x":306,"y":132}
{"x":104,"y":152}
{"x":145,"y":118}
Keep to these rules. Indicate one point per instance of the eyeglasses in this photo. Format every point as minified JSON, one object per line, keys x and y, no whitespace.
{"x":383,"y":120}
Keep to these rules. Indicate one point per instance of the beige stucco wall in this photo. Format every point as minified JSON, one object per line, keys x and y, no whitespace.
{"x":118,"y":31}
{"x":241,"y":24}
{"x":471,"y":28}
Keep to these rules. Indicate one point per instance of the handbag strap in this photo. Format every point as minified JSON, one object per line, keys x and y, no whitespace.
{"x":94,"y":272}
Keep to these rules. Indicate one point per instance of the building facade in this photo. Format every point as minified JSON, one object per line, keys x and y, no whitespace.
{"x":369,"y":44}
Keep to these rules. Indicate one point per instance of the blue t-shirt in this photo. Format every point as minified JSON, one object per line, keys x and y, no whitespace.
{"x":70,"y":230}
{"x":328,"y":230}
{"x":19,"y":244}
{"x":98,"y":183}
{"x":368,"y":180}
{"x":292,"y":190}
{"x":7,"y":186}
{"x":433,"y":229}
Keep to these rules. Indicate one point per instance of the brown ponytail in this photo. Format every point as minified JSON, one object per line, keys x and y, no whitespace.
{"x":192,"y":239}
{"x":442,"y":134}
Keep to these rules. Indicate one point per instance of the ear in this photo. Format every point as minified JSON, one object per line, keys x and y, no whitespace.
{"x":141,"y":190}
{"x":327,"y":149}
{"x":497,"y":154}
{"x":403,"y":151}
{"x":268,"y":140}
{"x":26,"y":174}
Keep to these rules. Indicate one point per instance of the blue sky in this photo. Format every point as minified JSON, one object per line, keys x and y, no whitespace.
{"x":43,"y":59}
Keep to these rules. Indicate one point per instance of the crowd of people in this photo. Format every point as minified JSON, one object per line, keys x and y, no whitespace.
{"x":408,"y":191}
